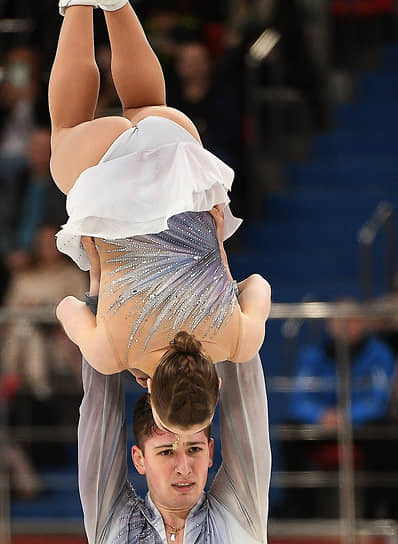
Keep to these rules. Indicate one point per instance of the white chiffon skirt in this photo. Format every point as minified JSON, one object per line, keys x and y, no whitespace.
{"x":150,"y":173}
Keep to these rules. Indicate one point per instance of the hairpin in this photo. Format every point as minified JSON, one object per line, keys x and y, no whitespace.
{"x":175,"y":443}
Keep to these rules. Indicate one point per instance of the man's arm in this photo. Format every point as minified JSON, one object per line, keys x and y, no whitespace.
{"x":242,"y":482}
{"x":102,"y":436}
{"x":102,"y":450}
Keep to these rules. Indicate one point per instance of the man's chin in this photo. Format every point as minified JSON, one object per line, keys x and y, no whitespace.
{"x":187,"y":498}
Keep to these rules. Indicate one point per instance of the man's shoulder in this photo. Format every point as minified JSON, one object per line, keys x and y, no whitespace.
{"x":227,"y":527}
{"x":131,"y":505}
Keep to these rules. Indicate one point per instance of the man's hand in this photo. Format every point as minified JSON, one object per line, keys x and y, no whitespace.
{"x":140,"y":376}
{"x":217,"y":212}
{"x":142,"y":382}
{"x":95,"y":265}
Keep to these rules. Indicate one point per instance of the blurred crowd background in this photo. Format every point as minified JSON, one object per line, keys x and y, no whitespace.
{"x":299,"y":97}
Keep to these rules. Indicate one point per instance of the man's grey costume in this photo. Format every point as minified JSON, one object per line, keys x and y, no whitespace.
{"x":233,"y":511}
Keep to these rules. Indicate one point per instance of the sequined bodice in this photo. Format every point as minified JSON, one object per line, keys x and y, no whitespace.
{"x":174,"y":280}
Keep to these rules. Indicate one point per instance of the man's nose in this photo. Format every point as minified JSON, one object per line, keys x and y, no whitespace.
{"x":183,"y":465}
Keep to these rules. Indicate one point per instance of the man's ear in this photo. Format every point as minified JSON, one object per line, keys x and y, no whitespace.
{"x":138,"y":459}
{"x":211,"y":451}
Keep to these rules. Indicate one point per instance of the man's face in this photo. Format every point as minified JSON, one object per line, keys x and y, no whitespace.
{"x":175,"y":477}
{"x":193,"y":61}
{"x":352,"y":329}
{"x":40,"y":150}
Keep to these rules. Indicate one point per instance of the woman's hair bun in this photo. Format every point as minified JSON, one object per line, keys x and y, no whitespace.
{"x":183,"y":342}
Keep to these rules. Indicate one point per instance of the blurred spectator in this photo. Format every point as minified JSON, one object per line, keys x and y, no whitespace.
{"x":18,"y":93}
{"x":314,"y":401}
{"x":284,"y":88}
{"x":215,"y":109}
{"x":108,"y":100}
{"x":33,"y":199}
{"x":372,"y":364}
{"x":40,"y":367}
{"x":32,"y":351}
{"x":163,"y":25}
{"x":4,"y":277}
{"x":30,"y":31}
{"x":178,"y":21}
{"x":295,"y":62}
{"x":298,"y":62}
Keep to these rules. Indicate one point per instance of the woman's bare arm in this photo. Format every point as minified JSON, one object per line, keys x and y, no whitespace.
{"x":255,"y":304}
{"x":72,"y":313}
{"x":80,"y":324}
{"x":77,"y":321}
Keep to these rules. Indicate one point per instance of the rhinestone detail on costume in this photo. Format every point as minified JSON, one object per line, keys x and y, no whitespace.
{"x":179,"y":275}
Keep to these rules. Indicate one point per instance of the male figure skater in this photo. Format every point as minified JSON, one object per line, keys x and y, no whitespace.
{"x":176,"y":508}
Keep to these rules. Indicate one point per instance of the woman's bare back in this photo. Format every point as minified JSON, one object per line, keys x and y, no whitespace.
{"x":155,"y":285}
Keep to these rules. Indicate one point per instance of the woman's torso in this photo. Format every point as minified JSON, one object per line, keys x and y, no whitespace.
{"x":154,"y":285}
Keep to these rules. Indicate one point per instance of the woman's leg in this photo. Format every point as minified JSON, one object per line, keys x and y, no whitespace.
{"x":74,"y":81}
{"x":136,"y":71}
{"x":77,"y":140}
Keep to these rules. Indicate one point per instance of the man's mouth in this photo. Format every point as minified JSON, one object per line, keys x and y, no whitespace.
{"x":183,"y":486}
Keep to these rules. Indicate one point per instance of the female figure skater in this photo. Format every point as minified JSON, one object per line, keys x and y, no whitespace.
{"x":139,"y":191}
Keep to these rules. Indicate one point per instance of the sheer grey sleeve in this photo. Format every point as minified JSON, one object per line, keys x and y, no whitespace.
{"x":242,"y":483}
{"x":102,"y":450}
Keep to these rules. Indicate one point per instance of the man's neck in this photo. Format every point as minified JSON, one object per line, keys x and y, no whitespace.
{"x":196,"y":90}
{"x":41,"y":174}
{"x":173,"y":517}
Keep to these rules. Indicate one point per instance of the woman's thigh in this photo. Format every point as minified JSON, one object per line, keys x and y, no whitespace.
{"x":77,"y":148}
{"x":135,"y":115}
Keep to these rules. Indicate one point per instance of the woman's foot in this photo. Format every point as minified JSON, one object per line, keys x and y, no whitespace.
{"x":63,"y":4}
{"x":112,"y":5}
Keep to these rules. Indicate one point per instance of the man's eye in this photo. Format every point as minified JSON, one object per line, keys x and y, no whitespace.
{"x":195,"y":449}
{"x":166,"y":452}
